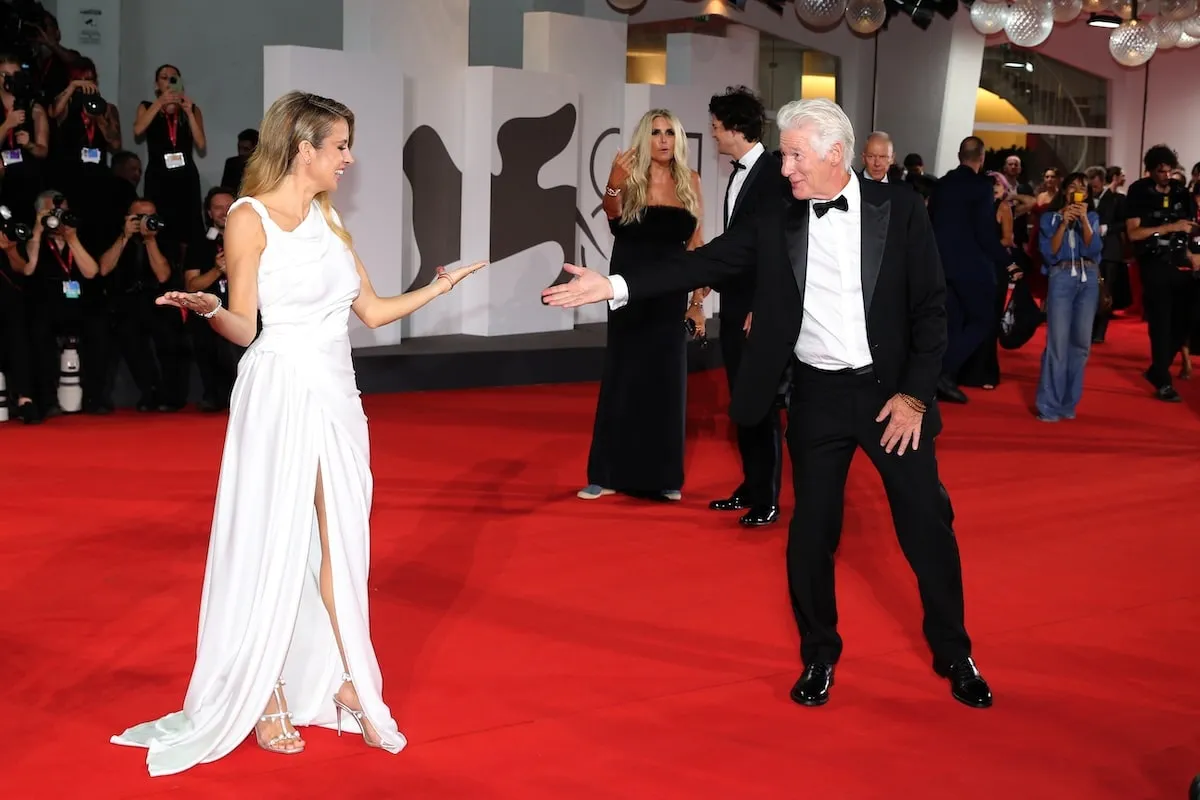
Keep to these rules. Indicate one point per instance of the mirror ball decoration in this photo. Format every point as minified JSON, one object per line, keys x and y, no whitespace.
{"x":867,"y":16}
{"x":625,"y":5}
{"x":1191,"y":26}
{"x":820,"y":14}
{"x":989,"y":18}
{"x":1029,"y":23}
{"x":1166,"y":32}
{"x":1187,"y":41}
{"x":1068,"y":10}
{"x":1133,"y":43}
{"x":1176,"y":9}
{"x":1096,"y":6}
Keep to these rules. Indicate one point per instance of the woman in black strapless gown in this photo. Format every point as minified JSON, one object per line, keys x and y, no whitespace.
{"x":653,"y":204}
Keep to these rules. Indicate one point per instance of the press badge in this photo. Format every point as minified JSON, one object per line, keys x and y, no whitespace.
{"x":90,"y":155}
{"x":11,"y":157}
{"x":71,"y":290}
{"x":174,"y":160}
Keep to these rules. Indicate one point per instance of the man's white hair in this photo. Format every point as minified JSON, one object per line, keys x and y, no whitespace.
{"x":881,"y":136}
{"x":827,"y":122}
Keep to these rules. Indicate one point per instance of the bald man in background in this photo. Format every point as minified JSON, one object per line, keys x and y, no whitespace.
{"x":878,"y":155}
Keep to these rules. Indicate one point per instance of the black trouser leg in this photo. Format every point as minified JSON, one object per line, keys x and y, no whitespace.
{"x":1108,"y":274}
{"x":204,"y":350}
{"x":829,"y":418}
{"x":760,"y":446}
{"x":1166,"y":297}
{"x":15,"y":346}
{"x":170,"y":347}
{"x":969,"y":309}
{"x":131,"y":325}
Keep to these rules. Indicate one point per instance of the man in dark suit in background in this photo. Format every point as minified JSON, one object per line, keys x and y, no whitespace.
{"x":738,"y":118}
{"x":851,"y":296}
{"x":963,"y":211}
{"x":1109,"y":205}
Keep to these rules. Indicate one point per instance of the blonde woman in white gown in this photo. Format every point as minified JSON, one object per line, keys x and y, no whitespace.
{"x":285,"y":589}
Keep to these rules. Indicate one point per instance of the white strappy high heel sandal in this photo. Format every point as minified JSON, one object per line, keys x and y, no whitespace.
{"x":358,"y":715}
{"x":277,"y":744}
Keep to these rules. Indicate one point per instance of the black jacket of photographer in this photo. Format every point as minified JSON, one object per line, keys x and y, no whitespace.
{"x":1152,"y":208}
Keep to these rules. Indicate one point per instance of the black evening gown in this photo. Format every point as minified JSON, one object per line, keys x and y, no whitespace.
{"x":175,"y":192}
{"x":638,"y":437}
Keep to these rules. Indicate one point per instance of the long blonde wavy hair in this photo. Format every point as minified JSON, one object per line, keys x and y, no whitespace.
{"x":637,"y":186}
{"x":294,"y":118}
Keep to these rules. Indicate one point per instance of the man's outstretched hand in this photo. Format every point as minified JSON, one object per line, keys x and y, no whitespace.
{"x":586,"y":287}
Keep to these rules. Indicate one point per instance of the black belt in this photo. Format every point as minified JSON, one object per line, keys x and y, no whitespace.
{"x":869,"y":369}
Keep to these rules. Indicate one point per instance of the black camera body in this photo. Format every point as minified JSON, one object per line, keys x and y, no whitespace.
{"x":1172,"y":207}
{"x":59,"y":217}
{"x":153,"y":222}
{"x":14,"y":229}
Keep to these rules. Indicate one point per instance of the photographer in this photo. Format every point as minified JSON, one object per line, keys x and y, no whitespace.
{"x":63,"y":299}
{"x":88,"y":130}
{"x":139,"y":268}
{"x":1160,"y":221}
{"x":216,"y":356}
{"x":14,"y":335}
{"x":24,"y":138}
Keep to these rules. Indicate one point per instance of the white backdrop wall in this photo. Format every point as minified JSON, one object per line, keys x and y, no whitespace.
{"x":593,"y":51}
{"x":1173,"y":103}
{"x":367,"y":198}
{"x":218,"y":45}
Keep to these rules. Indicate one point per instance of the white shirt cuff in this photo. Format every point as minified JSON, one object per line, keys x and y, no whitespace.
{"x":620,"y":292}
{"x":1104,"y":230}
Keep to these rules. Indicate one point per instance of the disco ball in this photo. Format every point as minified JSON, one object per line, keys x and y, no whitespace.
{"x":1123,"y":9}
{"x":1029,"y":23}
{"x":989,"y":18}
{"x":1096,"y":6}
{"x":1166,"y":31}
{"x":820,"y":14}
{"x":1187,"y":41}
{"x":1067,"y":10}
{"x":1133,"y":43}
{"x":867,"y":16}
{"x":1176,"y":9}
{"x":625,"y":5}
{"x":1191,"y":26}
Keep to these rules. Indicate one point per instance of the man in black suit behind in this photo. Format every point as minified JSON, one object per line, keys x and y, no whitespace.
{"x":963,"y":210}
{"x":851,"y":295}
{"x":738,"y":118}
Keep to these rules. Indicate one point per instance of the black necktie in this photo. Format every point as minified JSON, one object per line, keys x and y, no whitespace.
{"x":840,"y":203}
{"x":737,"y":166}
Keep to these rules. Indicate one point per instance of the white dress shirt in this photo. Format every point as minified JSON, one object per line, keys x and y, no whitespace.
{"x":833,"y":333}
{"x":739,"y":178}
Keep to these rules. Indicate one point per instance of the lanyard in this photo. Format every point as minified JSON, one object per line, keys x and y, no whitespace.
{"x":89,"y":127}
{"x":173,"y":129}
{"x":65,"y":264}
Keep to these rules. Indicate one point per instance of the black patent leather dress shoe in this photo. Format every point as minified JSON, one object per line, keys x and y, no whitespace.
{"x":813,"y":687}
{"x":967,"y":686}
{"x":948,"y":391}
{"x":1194,"y":792}
{"x":731,"y":503}
{"x":759,"y":516}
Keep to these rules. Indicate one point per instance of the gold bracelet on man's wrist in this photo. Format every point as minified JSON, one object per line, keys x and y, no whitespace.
{"x":913,"y":403}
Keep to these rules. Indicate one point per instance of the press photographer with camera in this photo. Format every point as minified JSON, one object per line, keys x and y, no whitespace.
{"x":1160,"y":219}
{"x":63,"y":299}
{"x":174,"y":131}
{"x":87,"y":130}
{"x":14,"y":334}
{"x":24,"y":138}
{"x":139,"y":267}
{"x":204,"y":271}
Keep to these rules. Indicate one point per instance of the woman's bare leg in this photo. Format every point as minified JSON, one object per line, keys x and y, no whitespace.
{"x":346,"y":693}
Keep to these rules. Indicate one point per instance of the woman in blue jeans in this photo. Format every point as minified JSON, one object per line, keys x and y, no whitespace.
{"x":1070,"y":244}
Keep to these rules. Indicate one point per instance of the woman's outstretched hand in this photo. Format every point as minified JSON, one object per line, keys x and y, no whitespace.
{"x":456,"y":275}
{"x":196,"y":302}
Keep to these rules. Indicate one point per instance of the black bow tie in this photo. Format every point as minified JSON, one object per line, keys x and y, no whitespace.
{"x":737,"y":165}
{"x":840,"y":203}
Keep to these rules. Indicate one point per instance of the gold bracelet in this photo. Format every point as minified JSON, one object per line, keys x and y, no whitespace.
{"x":913,"y":403}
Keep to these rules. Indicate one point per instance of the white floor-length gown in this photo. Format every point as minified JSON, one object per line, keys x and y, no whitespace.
{"x":295,"y":407}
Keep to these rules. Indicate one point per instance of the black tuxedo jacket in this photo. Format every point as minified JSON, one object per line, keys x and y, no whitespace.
{"x":904,"y":294}
{"x":1110,"y":208}
{"x":964,"y":222}
{"x":762,"y":187}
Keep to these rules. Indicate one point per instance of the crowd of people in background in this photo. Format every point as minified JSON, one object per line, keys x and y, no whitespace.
{"x":90,"y":235}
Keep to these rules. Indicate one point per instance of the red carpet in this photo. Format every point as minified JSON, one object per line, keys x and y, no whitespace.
{"x":538,"y":646}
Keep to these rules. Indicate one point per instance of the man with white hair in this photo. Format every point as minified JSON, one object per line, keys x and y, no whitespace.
{"x":851,"y":296}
